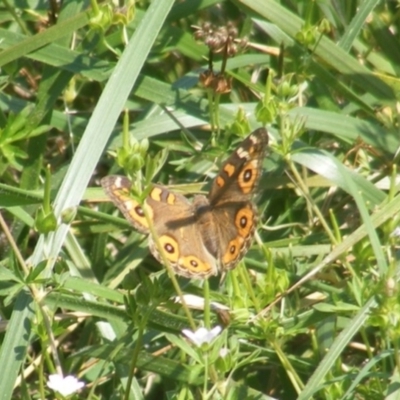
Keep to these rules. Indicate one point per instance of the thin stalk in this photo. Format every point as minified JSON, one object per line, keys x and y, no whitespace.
{"x":244,"y":275}
{"x":36,"y":294}
{"x":291,"y":372}
{"x":206,"y":292}
{"x":304,"y":189}
{"x":135,"y":356}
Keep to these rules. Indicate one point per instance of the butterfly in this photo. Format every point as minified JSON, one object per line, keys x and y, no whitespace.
{"x":210,"y":234}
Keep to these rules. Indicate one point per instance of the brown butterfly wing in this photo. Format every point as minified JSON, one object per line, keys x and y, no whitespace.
{"x":179,"y":236}
{"x":118,"y":189}
{"x":240,"y":173}
{"x":172,"y":217}
{"x":230,"y":198}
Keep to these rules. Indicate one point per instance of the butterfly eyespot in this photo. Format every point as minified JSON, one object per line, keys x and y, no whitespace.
{"x":248,"y":177}
{"x":233,"y":250}
{"x":248,"y":173}
{"x":139,"y":211}
{"x":194,"y":265}
{"x":171,"y":248}
{"x":244,"y":221}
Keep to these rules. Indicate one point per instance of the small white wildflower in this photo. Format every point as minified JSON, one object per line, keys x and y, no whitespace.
{"x":202,"y":335}
{"x":64,"y":385}
{"x":223,"y":352}
{"x":224,"y":361}
{"x":396,"y":232}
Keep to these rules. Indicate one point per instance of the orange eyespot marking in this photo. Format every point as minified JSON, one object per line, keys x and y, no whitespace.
{"x":171,"y":248}
{"x":244,"y":221}
{"x":229,"y":169}
{"x":156,"y":193}
{"x":220,"y":181}
{"x":194,"y":264}
{"x":247,"y":178}
{"x":233,"y":250}
{"x":136,"y":213}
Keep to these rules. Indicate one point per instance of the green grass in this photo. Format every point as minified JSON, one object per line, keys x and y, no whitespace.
{"x":312,"y":311}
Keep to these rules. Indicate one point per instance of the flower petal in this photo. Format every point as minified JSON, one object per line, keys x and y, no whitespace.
{"x":191,"y":335}
{"x":64,"y":385}
{"x":202,"y":335}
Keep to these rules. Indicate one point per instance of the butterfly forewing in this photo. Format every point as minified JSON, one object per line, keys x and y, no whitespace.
{"x":239,"y":175}
{"x":118,"y":189}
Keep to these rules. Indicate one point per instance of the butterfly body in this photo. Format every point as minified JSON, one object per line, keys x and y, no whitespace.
{"x":211,"y":233}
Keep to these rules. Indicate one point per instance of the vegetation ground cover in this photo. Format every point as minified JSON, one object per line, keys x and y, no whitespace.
{"x":90,"y":90}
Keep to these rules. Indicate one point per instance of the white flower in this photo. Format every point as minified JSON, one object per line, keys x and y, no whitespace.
{"x":396,"y":232}
{"x":64,"y":385}
{"x":223,"y":352}
{"x":202,"y":335}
